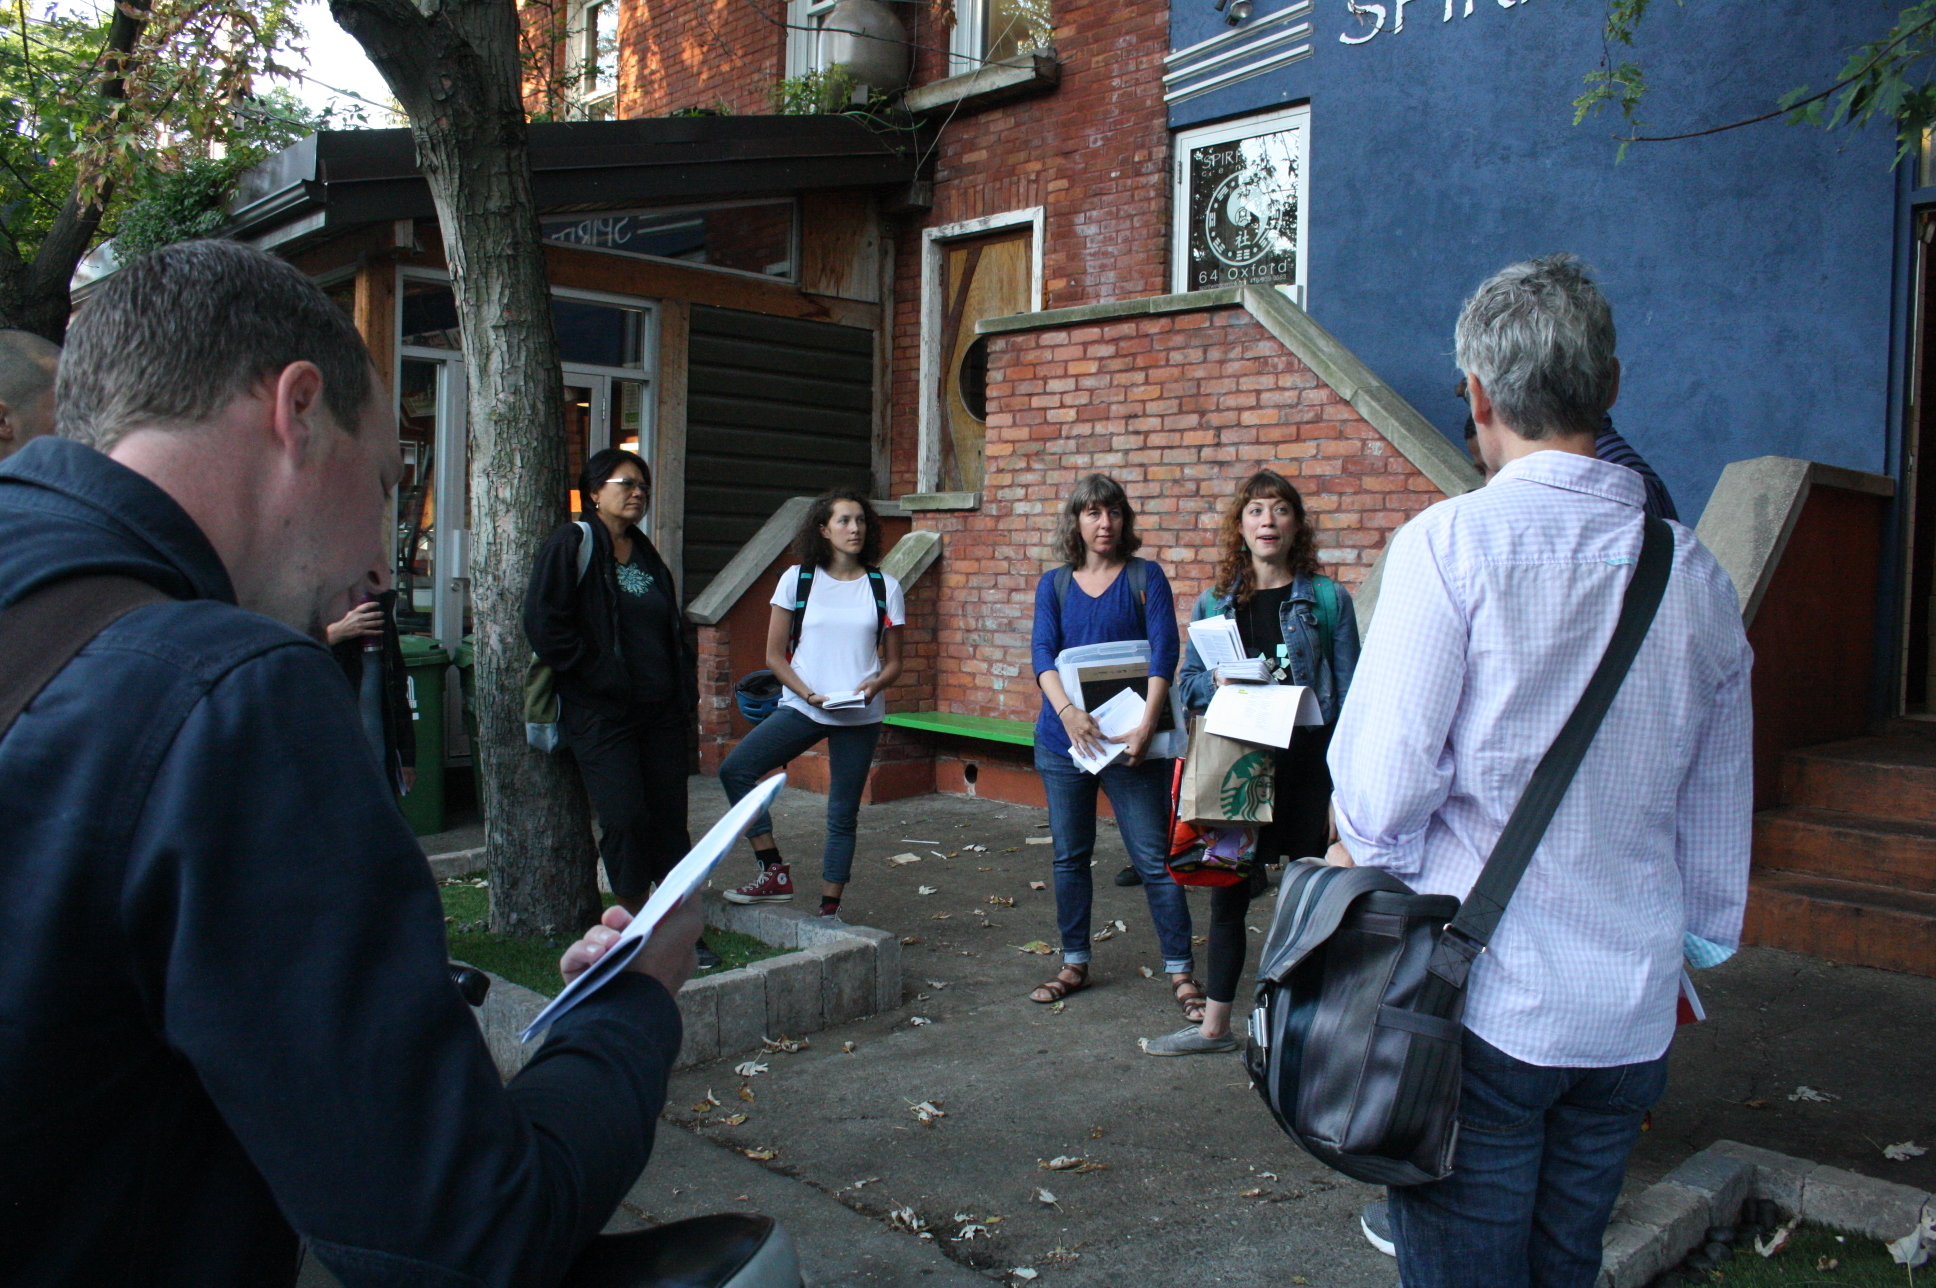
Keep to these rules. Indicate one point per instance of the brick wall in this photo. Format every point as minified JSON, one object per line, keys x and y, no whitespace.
{"x":714,"y":54}
{"x":1179,"y":408}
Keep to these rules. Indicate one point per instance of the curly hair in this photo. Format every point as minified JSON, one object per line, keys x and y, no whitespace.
{"x":812,"y":550}
{"x":1236,"y":581}
{"x":1096,"y":489}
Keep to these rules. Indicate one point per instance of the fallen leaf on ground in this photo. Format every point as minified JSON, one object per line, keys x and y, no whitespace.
{"x":1087,"y":1168}
{"x":924,"y":889}
{"x":1056,"y":1008}
{"x":1809,"y":1093}
{"x":1826,"y":1263}
{"x":1903,"y":1152}
{"x":1000,"y":901}
{"x":872,"y":1180}
{"x":764,"y":1155}
{"x":1013,"y":849}
{"x":783,"y":1043}
{"x":898,"y":859}
{"x":968,"y":1232}
{"x":1038,"y":840}
{"x":746,"y":1094}
{"x":1778,"y":1240}
{"x":1095,"y":1133}
{"x":905,"y":1218}
{"x":749,"y":1068}
{"x":1023,"y":1272}
{"x":1036,"y":946}
{"x":1060,"y":1257}
{"x":1755,"y":1104}
{"x":927,"y":1111}
{"x":954,"y":854}
{"x":1043,"y":1196}
{"x":978,"y":849}
{"x":935,"y":983}
{"x":910,"y":939}
{"x":1199,"y":939}
{"x":1914,"y":1248}
{"x":918,"y":1020}
{"x":707,"y":1105}
{"x":1060,"y":1163}
{"x":1267,"y":1176}
{"x":941,"y":916}
{"x":1038,"y":885}
{"x":1299,"y":1279}
{"x":1147,"y":972}
{"x":984,"y":869}
{"x":848,"y":1047}
{"x":734,"y":1121}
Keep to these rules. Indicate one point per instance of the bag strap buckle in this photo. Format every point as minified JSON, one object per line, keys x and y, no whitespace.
{"x":1453,"y":956}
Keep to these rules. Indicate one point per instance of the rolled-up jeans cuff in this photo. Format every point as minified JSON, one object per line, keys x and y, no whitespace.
{"x":1075,"y":958}
{"x":1182,"y":966}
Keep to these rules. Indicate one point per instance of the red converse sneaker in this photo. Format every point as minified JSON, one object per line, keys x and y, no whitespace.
{"x":774,"y":886}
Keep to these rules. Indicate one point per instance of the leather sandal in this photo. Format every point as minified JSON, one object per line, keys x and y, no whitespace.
{"x":1192,"y":1001}
{"x":1056,"y":989}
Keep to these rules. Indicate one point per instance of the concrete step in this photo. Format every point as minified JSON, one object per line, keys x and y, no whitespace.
{"x":1886,"y":777}
{"x":1844,"y":921}
{"x":1847,"y":847}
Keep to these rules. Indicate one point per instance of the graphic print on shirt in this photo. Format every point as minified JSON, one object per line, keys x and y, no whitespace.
{"x":633,"y":580}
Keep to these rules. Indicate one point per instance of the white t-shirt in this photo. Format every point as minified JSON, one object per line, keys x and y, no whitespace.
{"x":838,"y":651}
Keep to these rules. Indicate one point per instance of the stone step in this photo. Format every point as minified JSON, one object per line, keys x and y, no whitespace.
{"x":1886,"y":777}
{"x":1847,"y":847}
{"x":1844,"y":921}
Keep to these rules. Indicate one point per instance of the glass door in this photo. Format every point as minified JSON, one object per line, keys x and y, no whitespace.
{"x":433,"y":501}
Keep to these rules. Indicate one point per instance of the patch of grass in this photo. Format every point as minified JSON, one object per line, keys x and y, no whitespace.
{"x":533,"y":962}
{"x":1859,"y":1263}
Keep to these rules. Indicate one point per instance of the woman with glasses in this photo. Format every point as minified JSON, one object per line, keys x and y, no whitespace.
{"x":627,"y":682}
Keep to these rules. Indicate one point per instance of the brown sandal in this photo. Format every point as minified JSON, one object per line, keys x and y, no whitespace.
{"x":1193,"y":1001}
{"x":1060,"y":987}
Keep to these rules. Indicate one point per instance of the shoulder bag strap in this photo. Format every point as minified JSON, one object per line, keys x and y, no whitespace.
{"x":1327,"y":594}
{"x":1062,"y":576}
{"x":1467,"y":934}
{"x":802,"y":587}
{"x":879,"y":585}
{"x":584,"y":547}
{"x":1139,"y":582}
{"x":41,"y":632}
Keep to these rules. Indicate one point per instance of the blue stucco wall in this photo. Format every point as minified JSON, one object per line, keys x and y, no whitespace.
{"x":1752,"y":273}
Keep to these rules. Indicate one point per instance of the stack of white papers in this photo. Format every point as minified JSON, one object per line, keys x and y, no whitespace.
{"x":843,"y":701}
{"x":1252,"y":671}
{"x":1218,"y":642}
{"x":688,"y":876}
{"x":1116,"y":718}
{"x":1261,"y":713}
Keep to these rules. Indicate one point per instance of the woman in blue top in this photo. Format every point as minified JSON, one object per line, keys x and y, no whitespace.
{"x":1302,"y":624}
{"x":1102,"y":594}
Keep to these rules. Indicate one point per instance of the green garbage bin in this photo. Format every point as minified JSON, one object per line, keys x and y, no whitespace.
{"x":465,"y":659}
{"x":424,"y":663}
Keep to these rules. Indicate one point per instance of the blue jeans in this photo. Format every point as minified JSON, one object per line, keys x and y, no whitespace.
{"x":1140,"y":796}
{"x":1538,"y":1167}
{"x":782,"y":736}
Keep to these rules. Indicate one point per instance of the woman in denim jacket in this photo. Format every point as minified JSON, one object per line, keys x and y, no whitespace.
{"x":1268,"y":581}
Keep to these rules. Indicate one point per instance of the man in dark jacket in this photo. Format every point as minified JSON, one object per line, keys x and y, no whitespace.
{"x":228,"y":1021}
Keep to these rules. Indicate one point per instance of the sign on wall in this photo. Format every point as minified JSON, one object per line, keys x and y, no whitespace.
{"x":1239,"y":203}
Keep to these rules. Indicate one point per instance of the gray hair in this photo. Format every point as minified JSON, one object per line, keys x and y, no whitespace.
{"x":1539,"y":336}
{"x":177,"y":335}
{"x":27,"y":365}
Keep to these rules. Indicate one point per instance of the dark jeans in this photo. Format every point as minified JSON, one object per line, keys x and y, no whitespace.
{"x":1299,"y":827}
{"x":1540,"y":1159}
{"x":634,"y":767}
{"x":782,"y":736}
{"x":1140,"y":797}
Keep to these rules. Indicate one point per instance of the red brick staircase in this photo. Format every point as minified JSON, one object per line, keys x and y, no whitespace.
{"x":1845,"y":868}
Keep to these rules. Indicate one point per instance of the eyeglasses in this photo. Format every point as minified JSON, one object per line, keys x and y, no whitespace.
{"x":629,"y":485}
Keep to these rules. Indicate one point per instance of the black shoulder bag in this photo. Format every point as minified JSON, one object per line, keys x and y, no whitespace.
{"x":1355,"y":1042}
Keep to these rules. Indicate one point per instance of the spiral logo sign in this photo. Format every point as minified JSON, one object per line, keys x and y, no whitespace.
{"x":1243,"y":205}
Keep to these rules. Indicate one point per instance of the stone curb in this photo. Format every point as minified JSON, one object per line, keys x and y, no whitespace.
{"x":836,"y":973}
{"x":457,"y":863}
{"x":1656,"y":1229}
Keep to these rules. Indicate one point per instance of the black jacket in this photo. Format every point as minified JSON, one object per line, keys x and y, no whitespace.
{"x":573,"y":625}
{"x":399,"y":738}
{"x":226,"y":1013}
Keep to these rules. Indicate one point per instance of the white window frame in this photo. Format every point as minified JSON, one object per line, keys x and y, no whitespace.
{"x":805,"y":45}
{"x":592,"y":99}
{"x":1249,"y":127}
{"x":934,"y":242}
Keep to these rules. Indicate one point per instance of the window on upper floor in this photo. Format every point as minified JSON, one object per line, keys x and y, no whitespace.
{"x":806,"y":36}
{"x":1239,"y":203}
{"x":993,"y":31}
{"x":594,"y":52}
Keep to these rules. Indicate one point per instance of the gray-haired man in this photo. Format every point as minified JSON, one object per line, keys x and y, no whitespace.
{"x":27,"y":368}
{"x":1496,"y":607}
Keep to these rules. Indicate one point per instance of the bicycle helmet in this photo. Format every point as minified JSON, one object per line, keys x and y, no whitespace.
{"x":758,"y":695}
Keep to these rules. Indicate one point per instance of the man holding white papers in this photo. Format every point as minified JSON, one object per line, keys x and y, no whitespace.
{"x":1099,"y":594}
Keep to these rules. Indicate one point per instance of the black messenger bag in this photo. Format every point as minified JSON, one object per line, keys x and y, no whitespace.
{"x":1355,"y":1041}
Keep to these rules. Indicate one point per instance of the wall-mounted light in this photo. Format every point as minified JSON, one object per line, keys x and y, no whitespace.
{"x":1235,"y":12}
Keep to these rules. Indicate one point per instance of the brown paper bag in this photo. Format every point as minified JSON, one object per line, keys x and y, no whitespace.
{"x":1226,"y":783}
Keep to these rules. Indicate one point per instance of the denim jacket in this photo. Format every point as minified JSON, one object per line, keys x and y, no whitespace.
{"x":1299,"y":622}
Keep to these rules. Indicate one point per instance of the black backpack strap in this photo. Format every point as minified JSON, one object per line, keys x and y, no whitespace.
{"x":802,"y":587}
{"x":878,"y":581}
{"x":1468,"y":933}
{"x":1062,"y":577}
{"x":43,"y":630}
{"x":1139,"y":582}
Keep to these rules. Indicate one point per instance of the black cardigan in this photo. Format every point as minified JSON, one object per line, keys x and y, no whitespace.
{"x":573,"y":625}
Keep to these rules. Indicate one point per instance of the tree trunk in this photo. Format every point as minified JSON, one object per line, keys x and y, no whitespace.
{"x":454,"y":67}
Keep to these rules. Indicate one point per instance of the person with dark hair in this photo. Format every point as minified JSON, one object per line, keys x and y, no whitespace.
{"x":367,"y":647}
{"x":627,"y":681}
{"x":232,"y":1033}
{"x":1099,"y":593}
{"x":27,"y":368}
{"x":832,"y":641}
{"x":1303,"y":625}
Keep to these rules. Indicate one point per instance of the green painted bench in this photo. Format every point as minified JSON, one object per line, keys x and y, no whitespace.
{"x":988,"y":728}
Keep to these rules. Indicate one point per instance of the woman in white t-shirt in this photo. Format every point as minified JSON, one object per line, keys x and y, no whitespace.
{"x":835,"y":665}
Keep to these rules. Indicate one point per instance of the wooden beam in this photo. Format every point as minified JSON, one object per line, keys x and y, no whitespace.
{"x":376,"y":315}
{"x":669,"y":438}
{"x":654,"y":279}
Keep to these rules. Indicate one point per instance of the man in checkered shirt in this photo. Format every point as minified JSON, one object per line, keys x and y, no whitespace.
{"x":1496,"y":606}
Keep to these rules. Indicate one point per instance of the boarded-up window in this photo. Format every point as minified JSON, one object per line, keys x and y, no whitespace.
{"x":775,"y":408}
{"x":986,"y":277}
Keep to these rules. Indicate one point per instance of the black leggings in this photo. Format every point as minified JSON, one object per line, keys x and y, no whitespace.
{"x":634,"y":767}
{"x":1300,"y":830}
